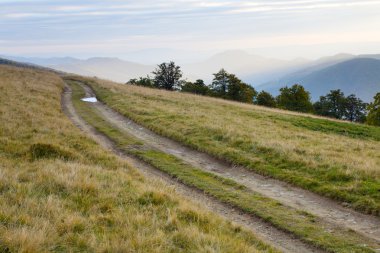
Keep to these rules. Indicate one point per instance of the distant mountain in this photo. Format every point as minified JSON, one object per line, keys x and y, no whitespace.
{"x":350,"y":73}
{"x":322,"y":63}
{"x":109,"y":68}
{"x":8,"y":62}
{"x":250,"y":68}
{"x":154,"y":56}
{"x":103,"y":67}
{"x":357,"y":75}
{"x":290,"y":75}
{"x":373,"y":56}
{"x":44,"y":61}
{"x":13,"y":63}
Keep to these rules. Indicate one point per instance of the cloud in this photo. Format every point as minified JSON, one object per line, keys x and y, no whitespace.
{"x":67,"y":25}
{"x":69,"y":8}
{"x":165,"y":8}
{"x":297,"y":5}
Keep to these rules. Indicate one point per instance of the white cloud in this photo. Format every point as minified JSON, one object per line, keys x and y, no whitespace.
{"x":69,"y":8}
{"x":298,"y":5}
{"x":177,"y":8}
{"x":70,"y":26}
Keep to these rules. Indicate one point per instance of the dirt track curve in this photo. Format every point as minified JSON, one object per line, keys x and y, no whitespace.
{"x":279,"y":239}
{"x":327,"y":209}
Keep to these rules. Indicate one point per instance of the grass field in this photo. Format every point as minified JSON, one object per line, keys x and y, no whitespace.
{"x":336,"y":159}
{"x":61,"y":192}
{"x":309,"y":228}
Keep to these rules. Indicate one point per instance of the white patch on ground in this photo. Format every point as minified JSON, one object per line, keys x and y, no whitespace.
{"x":91,"y":99}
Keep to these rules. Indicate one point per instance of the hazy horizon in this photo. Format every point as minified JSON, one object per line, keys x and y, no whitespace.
{"x":144,"y":56}
{"x":189,"y":30}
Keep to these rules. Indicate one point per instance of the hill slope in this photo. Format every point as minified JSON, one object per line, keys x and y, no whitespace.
{"x":318,"y":154}
{"x":61,"y":192}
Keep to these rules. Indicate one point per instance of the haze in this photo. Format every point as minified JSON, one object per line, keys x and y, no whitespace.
{"x":150,"y":31}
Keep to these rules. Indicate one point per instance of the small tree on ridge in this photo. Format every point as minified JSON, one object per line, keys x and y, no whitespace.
{"x":167,"y":76}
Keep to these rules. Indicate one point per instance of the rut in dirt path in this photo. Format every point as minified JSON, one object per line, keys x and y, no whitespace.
{"x":367,"y":225}
{"x":279,"y":239}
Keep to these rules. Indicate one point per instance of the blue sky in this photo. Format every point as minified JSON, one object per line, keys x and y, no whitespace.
{"x":283,"y":28}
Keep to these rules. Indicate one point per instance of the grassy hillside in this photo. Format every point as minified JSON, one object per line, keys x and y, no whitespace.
{"x":61,"y":192}
{"x":336,"y":159}
{"x":303,"y":225}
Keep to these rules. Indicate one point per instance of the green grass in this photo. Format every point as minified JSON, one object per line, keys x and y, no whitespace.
{"x":61,"y":192}
{"x":336,"y":159}
{"x":302,"y":224}
{"x":359,"y":131}
{"x":323,"y":125}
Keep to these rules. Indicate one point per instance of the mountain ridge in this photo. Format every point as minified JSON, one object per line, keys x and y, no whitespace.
{"x":263,"y":73}
{"x":359,"y":76}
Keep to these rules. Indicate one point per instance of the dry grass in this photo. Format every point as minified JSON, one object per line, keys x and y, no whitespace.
{"x":66,"y":194}
{"x":305,"y":226}
{"x":334,"y":158}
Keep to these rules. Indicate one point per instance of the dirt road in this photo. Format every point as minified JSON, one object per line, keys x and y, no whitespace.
{"x":327,"y":209}
{"x":279,"y":239}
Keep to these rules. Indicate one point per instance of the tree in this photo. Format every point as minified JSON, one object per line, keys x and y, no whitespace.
{"x":332,"y":105}
{"x":322,"y":106}
{"x":167,"y":76}
{"x":198,"y":87}
{"x":295,"y":98}
{"x":266,"y":99}
{"x":239,"y":91}
{"x":355,"y":109}
{"x":336,"y":104}
{"x":247,"y":93}
{"x":219,"y":86}
{"x":373,"y":117}
{"x":142,"y":81}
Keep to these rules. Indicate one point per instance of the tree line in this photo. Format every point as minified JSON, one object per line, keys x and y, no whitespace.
{"x":225,"y":85}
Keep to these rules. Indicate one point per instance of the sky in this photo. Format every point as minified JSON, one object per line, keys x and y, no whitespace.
{"x":188,"y":29}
